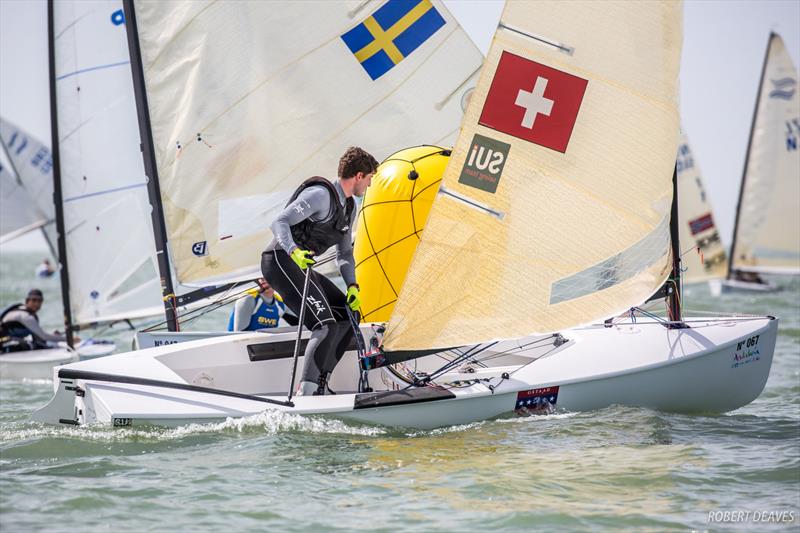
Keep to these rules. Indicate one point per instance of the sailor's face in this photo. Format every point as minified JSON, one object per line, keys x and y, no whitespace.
{"x":34,"y":304}
{"x":266,"y":288}
{"x":362,"y":182}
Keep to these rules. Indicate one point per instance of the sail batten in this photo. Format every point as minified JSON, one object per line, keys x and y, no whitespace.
{"x":577,"y":151}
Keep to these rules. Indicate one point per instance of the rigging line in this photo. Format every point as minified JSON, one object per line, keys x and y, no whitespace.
{"x":90,"y":69}
{"x":472,"y":352}
{"x":107,"y":191}
{"x":191,"y":312}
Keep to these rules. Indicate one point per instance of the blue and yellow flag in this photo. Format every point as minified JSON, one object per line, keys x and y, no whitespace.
{"x":391,"y":33}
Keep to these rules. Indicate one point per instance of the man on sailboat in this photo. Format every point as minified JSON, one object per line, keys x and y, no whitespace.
{"x":20,"y":320}
{"x":320,"y":214}
{"x":258,"y":309}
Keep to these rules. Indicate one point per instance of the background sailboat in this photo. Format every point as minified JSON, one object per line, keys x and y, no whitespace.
{"x":30,"y":165}
{"x":766,"y":235}
{"x":703,"y":254}
{"x":19,"y":213}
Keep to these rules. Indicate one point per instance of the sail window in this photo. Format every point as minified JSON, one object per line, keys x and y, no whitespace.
{"x":616,"y":269}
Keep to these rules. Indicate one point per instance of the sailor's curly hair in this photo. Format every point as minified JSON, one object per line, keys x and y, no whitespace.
{"x":356,"y":160}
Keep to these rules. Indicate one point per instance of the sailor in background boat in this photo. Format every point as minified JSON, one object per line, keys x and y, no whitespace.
{"x":45,"y":269}
{"x":259,"y":308}
{"x":19,"y":322}
{"x":320,"y":214}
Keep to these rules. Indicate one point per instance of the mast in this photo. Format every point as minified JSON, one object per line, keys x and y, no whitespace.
{"x":747,"y":156}
{"x":57,"y":197}
{"x":674,"y":292}
{"x":150,"y":168}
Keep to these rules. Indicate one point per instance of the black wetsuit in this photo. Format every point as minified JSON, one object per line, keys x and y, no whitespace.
{"x":317,"y":217}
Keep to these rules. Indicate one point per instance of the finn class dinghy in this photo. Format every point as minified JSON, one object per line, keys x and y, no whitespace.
{"x":766,"y":234}
{"x":535,"y":231}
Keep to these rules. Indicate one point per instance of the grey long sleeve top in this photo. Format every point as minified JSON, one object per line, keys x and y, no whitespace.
{"x":314,"y":204}
{"x":33,"y":326}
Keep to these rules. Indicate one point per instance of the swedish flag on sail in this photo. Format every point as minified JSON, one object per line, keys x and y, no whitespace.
{"x":391,"y":33}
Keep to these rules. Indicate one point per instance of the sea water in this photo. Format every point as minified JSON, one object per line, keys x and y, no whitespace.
{"x":618,"y":468}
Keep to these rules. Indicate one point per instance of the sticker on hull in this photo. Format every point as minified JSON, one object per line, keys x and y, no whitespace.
{"x":747,"y":351}
{"x":536,"y":401}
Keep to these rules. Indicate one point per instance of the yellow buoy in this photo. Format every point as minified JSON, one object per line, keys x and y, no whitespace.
{"x":390,"y":223}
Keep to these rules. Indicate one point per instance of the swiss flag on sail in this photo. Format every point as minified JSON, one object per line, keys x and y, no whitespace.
{"x":533,"y":102}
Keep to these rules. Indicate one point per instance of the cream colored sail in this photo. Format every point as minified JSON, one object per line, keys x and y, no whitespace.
{"x":554,"y":208}
{"x":767,"y":235}
{"x":703,"y":255}
{"x":248,"y":99}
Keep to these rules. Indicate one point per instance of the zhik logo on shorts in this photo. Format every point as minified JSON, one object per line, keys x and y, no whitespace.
{"x":484,"y":163}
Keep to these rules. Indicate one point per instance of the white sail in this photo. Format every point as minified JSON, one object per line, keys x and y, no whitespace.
{"x":108,"y":232}
{"x":703,"y":256}
{"x":18,"y":211}
{"x":247,"y":99}
{"x":767,"y":234}
{"x":554,"y":208}
{"x":33,"y":164}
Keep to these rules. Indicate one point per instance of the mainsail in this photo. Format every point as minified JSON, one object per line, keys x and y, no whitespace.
{"x":767,"y":231}
{"x":32,"y":163}
{"x":554,"y":208}
{"x":18,"y":211}
{"x":247,"y":100}
{"x":703,"y":255}
{"x":109,"y":238}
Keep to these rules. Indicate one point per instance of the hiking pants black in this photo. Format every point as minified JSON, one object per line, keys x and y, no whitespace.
{"x":325,"y":313}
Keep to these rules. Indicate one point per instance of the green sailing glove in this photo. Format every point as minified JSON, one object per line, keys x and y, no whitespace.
{"x":353,"y":299}
{"x":302,"y":258}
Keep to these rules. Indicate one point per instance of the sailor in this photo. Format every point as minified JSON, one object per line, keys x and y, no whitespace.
{"x":320,"y":214}
{"x":19,"y":321}
{"x":45,"y":269}
{"x":259,"y":308}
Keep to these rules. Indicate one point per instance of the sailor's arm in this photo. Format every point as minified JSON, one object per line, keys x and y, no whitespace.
{"x":344,"y":257}
{"x":37,"y":331}
{"x":313,"y":202}
{"x":242,"y":310}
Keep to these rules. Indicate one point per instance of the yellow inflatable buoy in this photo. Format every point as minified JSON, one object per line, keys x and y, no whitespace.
{"x":391,"y":220}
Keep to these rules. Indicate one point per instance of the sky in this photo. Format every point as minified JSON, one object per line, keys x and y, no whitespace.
{"x":723,"y":50}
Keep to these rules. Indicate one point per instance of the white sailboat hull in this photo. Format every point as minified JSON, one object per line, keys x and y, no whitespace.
{"x":34,"y":364}
{"x":716,"y":366}
{"x":727,"y":286}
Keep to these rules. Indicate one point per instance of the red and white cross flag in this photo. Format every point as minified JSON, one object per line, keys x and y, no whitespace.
{"x":533,"y":102}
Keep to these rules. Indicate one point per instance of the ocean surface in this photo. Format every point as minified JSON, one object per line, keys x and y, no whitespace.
{"x":614,"y":469}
